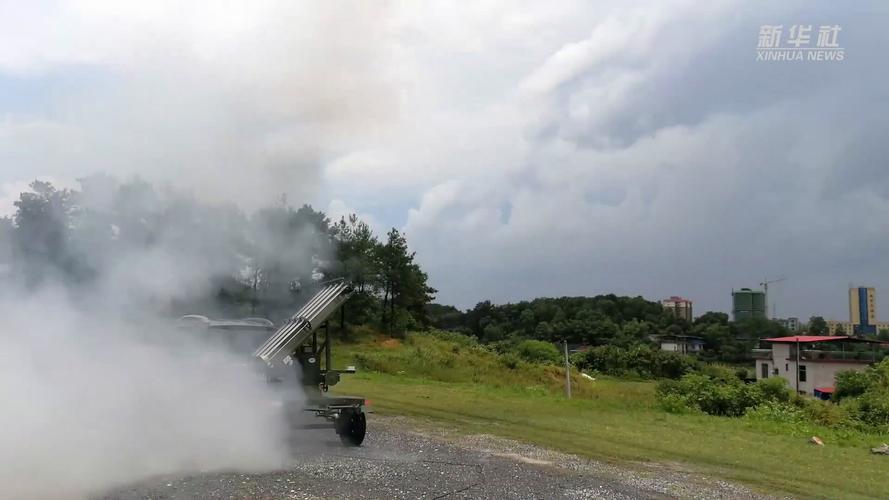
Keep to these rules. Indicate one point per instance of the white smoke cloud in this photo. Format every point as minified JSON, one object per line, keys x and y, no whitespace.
{"x":94,"y":400}
{"x":100,"y":388}
{"x":240,"y":101}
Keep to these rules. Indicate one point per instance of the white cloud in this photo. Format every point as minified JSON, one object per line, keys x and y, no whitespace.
{"x":339,"y":209}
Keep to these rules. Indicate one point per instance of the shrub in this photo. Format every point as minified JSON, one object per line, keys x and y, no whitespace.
{"x":720,"y":372}
{"x":714,"y":396}
{"x":667,"y":387}
{"x":674,"y":403}
{"x":510,"y":360}
{"x":672,"y":364}
{"x":604,"y":359}
{"x":873,"y":408}
{"x":503,"y":346}
{"x":829,"y":414}
{"x":538,"y":351}
{"x":771,"y":389}
{"x":642,"y":360}
{"x":776,"y":411}
{"x":851,"y":383}
{"x":455,"y":338}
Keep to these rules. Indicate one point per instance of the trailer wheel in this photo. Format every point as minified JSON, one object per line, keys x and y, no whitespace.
{"x":351,"y":427}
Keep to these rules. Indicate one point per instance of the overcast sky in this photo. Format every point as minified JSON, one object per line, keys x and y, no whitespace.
{"x":527,"y":148}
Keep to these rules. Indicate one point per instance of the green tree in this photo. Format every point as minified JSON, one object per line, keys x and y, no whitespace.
{"x":817,"y":326}
{"x":543,"y":331}
{"x":601,"y":331}
{"x":711,"y":317}
{"x":759,"y":328}
{"x":43,"y":219}
{"x":404,"y":285}
{"x":357,"y":262}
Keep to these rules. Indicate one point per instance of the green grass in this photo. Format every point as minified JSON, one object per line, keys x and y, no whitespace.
{"x":474,"y":390}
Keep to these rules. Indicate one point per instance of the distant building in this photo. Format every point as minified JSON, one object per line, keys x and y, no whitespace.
{"x":863,"y":310}
{"x":685,"y":344}
{"x":813,"y":369}
{"x":791,"y":324}
{"x":747,"y":303}
{"x":679,"y":307}
{"x":835,"y":327}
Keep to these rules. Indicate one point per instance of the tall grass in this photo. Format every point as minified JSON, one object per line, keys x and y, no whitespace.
{"x":454,"y":358}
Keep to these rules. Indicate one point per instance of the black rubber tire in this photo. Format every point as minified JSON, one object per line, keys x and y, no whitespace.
{"x":351,"y":427}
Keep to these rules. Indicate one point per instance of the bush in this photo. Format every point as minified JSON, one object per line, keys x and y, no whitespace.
{"x":714,"y":396}
{"x":720,"y":372}
{"x":771,"y":389}
{"x":674,"y":403}
{"x":829,"y":414}
{"x":642,"y":360}
{"x":538,"y":351}
{"x":716,"y":390}
{"x":873,"y":408}
{"x":607,"y":359}
{"x":666,"y":364}
{"x":851,"y":383}
{"x":778,"y":412}
{"x":510,"y":360}
{"x":455,"y":338}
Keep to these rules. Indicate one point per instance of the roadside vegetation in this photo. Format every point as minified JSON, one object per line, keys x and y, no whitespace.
{"x":860,"y":404}
{"x":517,"y":393}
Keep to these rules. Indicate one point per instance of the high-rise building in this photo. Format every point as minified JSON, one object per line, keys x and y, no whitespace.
{"x":679,"y":307}
{"x":863,"y":310}
{"x":747,"y":303}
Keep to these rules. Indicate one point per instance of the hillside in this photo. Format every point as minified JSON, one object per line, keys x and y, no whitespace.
{"x":452,"y":380}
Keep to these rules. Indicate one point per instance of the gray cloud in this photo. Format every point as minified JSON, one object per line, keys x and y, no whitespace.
{"x":576,"y":148}
{"x":684,"y":167}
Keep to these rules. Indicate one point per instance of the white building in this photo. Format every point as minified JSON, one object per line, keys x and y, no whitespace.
{"x":685,"y":344}
{"x":810,"y":363}
{"x":792,"y":324}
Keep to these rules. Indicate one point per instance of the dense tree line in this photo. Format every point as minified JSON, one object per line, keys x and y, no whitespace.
{"x":191,"y":256}
{"x":603,"y":320}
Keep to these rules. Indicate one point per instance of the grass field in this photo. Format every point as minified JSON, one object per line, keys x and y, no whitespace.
{"x":474,"y":390}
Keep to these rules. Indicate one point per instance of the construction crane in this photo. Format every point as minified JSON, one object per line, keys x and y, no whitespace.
{"x":765,"y":286}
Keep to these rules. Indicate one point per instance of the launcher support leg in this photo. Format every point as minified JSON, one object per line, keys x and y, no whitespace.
{"x":326,"y":346}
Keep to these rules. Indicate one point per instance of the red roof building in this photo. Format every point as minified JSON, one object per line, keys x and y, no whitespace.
{"x":807,"y":339}
{"x":809,"y":363}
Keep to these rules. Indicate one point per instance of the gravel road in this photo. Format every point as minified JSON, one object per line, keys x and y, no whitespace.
{"x":402,"y":458}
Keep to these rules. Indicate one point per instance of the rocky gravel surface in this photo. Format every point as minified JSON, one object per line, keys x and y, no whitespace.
{"x":403,"y":458}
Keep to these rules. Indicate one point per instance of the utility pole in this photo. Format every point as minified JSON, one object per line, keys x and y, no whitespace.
{"x":567,"y":370}
{"x":765,"y":288}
